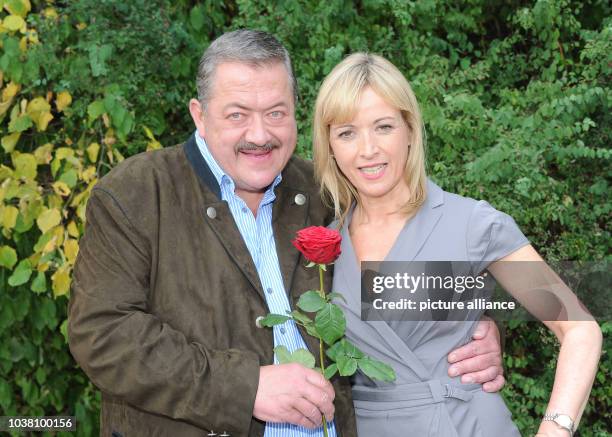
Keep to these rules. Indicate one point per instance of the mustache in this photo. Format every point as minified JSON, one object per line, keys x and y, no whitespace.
{"x":265,"y":148}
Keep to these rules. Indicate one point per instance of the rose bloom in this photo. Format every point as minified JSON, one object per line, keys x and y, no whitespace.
{"x":318,"y":244}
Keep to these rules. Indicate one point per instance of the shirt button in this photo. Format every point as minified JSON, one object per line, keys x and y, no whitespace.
{"x":282,"y":330}
{"x":269,"y":290}
{"x":244,"y":210}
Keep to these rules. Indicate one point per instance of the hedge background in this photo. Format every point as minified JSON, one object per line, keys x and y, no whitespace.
{"x":515,"y":95}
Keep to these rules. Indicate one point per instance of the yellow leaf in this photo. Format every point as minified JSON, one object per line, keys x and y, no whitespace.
{"x":92,"y":152}
{"x":61,"y":281}
{"x":9,"y":141}
{"x":9,"y":216}
{"x":64,"y":152}
{"x":71,"y":249}
{"x":22,"y":11}
{"x":50,"y":13}
{"x":81,"y":26}
{"x":118,"y":155}
{"x":63,"y":100}
{"x":33,"y":36}
{"x":10,"y":91}
{"x":23,"y":44}
{"x":73,"y":231}
{"x":39,"y":111}
{"x":88,"y":174}
{"x":61,"y":188}
{"x":4,"y":106}
{"x":43,"y":154}
{"x":13,"y":23}
{"x":25,"y":165}
{"x":48,"y":219}
{"x":50,"y":246}
{"x":43,"y":267}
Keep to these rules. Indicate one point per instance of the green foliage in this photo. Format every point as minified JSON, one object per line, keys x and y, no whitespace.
{"x":515,"y":97}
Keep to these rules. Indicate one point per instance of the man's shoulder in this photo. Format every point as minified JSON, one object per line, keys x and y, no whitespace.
{"x":144,"y":168}
{"x":299,"y":174}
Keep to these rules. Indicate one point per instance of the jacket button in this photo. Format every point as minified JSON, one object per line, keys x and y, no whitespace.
{"x":212,"y":213}
{"x":300,"y":199}
{"x":258,"y":321}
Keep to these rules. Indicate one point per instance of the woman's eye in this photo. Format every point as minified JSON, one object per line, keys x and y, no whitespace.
{"x":385,"y":128}
{"x":345,"y":134}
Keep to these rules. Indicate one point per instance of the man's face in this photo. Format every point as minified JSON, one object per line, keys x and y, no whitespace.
{"x":249,"y":123}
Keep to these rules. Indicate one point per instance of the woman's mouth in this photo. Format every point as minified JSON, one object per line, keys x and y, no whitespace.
{"x":373,"y":171}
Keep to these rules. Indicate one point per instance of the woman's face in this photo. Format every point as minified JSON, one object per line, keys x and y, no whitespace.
{"x":371,"y":150}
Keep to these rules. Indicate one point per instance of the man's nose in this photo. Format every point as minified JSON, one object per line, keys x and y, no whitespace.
{"x":257,"y":131}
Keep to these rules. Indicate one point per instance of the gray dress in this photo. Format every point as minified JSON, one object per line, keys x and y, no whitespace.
{"x":424,"y":400}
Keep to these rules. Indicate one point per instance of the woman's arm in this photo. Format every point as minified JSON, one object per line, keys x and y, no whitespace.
{"x":580,"y":335}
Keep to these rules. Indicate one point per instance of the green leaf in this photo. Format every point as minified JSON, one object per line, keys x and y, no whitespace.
{"x":39,"y":284}
{"x":95,"y":109}
{"x":8,"y":257}
{"x":311,"y":301}
{"x":282,"y":354}
{"x":376,"y":369}
{"x":273,"y":319}
{"x":6,"y":395}
{"x":303,"y":357}
{"x":330,"y":323}
{"x":311,"y":264}
{"x":336,"y":295}
{"x":301,"y":318}
{"x":19,"y":124}
{"x":69,"y":178}
{"x":196,"y":17}
{"x":21,"y":274}
{"x":98,"y":55}
{"x":330,"y":371}
{"x":347,"y":366}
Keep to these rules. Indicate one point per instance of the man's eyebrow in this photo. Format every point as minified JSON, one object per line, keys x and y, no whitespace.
{"x":246,"y":108}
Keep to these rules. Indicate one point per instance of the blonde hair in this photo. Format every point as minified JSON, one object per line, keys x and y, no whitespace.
{"x":337,"y":103}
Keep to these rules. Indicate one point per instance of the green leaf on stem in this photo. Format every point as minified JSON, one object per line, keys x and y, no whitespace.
{"x":330,"y":371}
{"x":303,"y":357}
{"x":273,"y":320}
{"x":330,"y":323}
{"x":301,"y":317}
{"x":300,"y":356}
{"x":282,"y":354}
{"x":334,"y":295}
{"x":347,"y":366}
{"x":311,"y":301}
{"x":376,"y":369}
{"x":311,"y":264}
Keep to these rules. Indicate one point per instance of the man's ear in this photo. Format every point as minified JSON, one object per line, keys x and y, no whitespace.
{"x":197,"y":111}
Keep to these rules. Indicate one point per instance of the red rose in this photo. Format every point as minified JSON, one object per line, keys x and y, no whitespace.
{"x":318,"y":244}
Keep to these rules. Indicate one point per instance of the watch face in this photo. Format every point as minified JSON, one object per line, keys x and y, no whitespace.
{"x":564,"y":421}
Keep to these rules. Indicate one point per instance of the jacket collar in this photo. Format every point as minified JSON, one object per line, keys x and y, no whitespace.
{"x":205,"y":174}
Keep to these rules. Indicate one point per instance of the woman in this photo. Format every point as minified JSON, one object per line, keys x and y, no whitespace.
{"x":369,"y":159}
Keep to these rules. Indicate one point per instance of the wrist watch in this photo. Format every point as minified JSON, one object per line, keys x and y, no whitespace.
{"x":562,"y":420}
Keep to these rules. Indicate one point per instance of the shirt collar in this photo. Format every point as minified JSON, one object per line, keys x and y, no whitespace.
{"x":223,"y":178}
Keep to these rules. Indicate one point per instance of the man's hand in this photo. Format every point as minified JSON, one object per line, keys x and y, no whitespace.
{"x":291,"y":393}
{"x":480,"y":361}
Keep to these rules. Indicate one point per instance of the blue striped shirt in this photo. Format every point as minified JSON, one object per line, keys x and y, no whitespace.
{"x":258,"y":235}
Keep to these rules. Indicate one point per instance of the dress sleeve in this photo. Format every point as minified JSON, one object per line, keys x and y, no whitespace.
{"x":491,"y":236}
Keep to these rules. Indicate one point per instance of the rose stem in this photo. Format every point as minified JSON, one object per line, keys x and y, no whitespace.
{"x":321,"y":354}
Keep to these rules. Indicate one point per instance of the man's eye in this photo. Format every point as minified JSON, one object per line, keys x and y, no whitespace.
{"x":235,"y":116}
{"x":276,"y":114}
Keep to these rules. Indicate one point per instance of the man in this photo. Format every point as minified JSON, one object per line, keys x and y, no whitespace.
{"x":186,"y":247}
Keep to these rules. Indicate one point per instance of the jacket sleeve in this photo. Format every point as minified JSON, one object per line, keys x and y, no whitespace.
{"x":132,"y":354}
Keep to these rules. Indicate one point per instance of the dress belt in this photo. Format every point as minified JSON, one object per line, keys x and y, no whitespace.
{"x":428,"y":392}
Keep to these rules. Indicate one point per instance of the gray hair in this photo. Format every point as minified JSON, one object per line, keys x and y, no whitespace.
{"x":252,"y":47}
